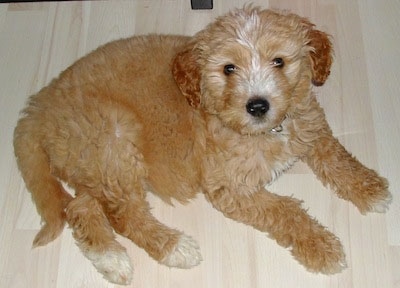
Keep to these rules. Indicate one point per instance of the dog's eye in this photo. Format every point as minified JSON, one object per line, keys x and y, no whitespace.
{"x":278,"y":62}
{"x":229,"y":69}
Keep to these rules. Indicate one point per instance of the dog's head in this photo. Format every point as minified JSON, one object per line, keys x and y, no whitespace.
{"x":251,"y":66}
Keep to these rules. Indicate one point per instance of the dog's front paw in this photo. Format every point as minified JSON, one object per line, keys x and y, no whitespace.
{"x":374,"y":195}
{"x":115,"y":266}
{"x":321,"y":252}
{"x":186,"y":254}
{"x":381,"y":205}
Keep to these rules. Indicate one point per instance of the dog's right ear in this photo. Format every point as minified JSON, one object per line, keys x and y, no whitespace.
{"x":187,"y":75}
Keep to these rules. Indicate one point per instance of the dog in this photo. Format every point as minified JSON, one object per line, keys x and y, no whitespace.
{"x":224,"y":113}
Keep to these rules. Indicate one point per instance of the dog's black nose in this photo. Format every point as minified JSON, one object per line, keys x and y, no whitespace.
{"x":257,"y":107}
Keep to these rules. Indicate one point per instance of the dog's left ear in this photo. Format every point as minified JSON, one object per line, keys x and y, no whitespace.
{"x":321,"y":55}
{"x":187,"y":75}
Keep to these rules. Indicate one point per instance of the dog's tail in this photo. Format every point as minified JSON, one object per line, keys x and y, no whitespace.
{"x":47,"y":192}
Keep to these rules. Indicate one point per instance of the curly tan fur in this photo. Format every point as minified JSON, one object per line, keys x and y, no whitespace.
{"x":116,"y":124}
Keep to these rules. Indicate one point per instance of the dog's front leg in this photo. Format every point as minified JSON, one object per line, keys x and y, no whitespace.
{"x":285,"y":221}
{"x":343,"y":173}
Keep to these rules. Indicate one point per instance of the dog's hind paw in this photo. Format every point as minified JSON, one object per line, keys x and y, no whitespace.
{"x":115,"y":266}
{"x":186,"y":254}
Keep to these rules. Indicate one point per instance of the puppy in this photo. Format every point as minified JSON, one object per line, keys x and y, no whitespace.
{"x":224,"y":112}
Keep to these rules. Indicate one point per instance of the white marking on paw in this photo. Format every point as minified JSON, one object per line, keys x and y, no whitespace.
{"x":115,"y":266}
{"x":383,"y":205}
{"x":186,"y":254}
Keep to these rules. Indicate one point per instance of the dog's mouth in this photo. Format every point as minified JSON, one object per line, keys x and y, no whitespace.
{"x":261,"y":127}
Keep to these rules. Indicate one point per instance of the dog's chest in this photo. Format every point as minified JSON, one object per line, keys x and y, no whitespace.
{"x":251,"y":163}
{"x":263,"y":165}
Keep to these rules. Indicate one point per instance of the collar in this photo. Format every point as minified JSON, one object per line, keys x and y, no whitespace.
{"x":279,"y":128}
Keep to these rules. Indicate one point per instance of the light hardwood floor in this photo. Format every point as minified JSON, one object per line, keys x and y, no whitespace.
{"x":361,"y":98}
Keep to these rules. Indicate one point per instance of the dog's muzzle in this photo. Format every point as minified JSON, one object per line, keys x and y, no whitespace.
{"x":257,"y":107}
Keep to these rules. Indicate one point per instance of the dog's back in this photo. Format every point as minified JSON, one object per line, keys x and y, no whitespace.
{"x":89,"y":126}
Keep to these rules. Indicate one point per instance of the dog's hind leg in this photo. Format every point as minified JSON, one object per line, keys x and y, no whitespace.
{"x":285,"y":221}
{"x":170,"y":247}
{"x":95,"y":238}
{"x":124,"y":201}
